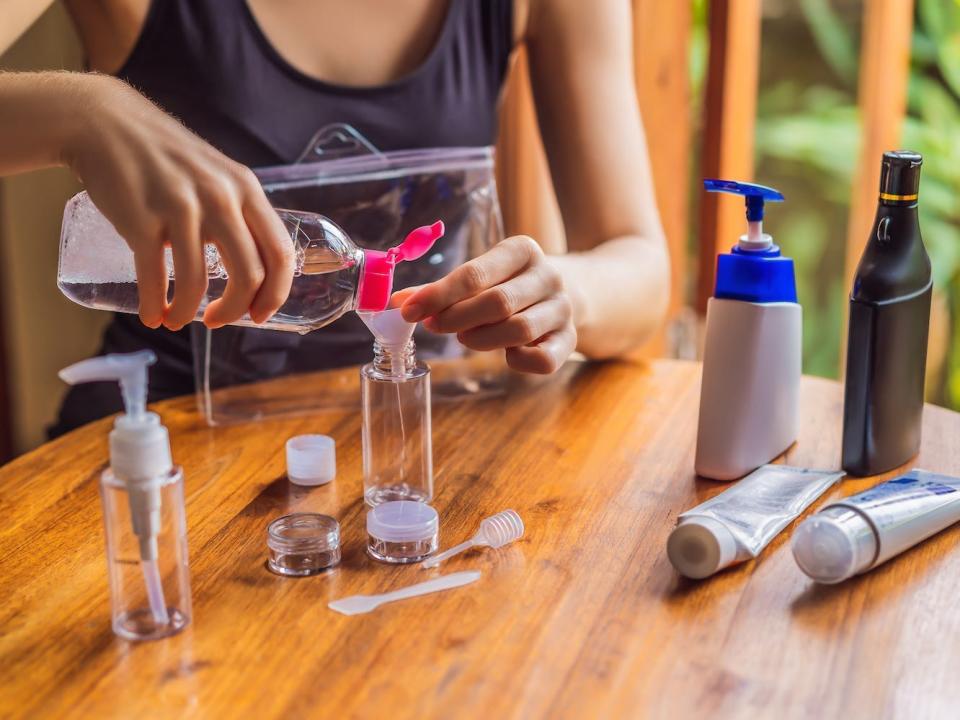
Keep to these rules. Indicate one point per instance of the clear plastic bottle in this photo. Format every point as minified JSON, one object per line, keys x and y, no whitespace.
{"x":397,"y":445}
{"x":143,"y":508}
{"x":138,"y":610}
{"x":331,"y":275}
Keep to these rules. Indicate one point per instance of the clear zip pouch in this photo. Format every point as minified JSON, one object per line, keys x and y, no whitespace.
{"x":246,"y":374}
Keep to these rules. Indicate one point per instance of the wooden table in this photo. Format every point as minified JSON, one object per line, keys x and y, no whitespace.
{"x":583,"y":618}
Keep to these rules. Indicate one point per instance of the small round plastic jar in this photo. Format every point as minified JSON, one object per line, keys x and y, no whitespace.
{"x":402,"y":531}
{"x":303,"y":544}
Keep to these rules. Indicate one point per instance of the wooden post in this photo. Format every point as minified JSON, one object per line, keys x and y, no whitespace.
{"x":6,"y":415}
{"x":884,"y":74}
{"x":729,"y":120}
{"x":661,"y":44}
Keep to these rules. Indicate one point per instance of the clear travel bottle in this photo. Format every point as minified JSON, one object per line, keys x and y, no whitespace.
{"x":331,"y":275}
{"x":143,"y":508}
{"x":395,"y":396}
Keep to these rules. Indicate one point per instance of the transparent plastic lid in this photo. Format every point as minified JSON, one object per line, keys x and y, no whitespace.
{"x":403,"y":521}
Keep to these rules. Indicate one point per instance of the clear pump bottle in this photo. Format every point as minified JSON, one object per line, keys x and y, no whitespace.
{"x":143,"y":508}
{"x":395,"y":396}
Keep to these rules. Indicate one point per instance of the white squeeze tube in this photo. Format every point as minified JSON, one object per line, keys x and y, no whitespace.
{"x":737,"y":524}
{"x":855,"y":534}
{"x":141,"y":471}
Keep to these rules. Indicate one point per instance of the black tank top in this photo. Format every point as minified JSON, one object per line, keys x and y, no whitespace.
{"x":208,"y":63}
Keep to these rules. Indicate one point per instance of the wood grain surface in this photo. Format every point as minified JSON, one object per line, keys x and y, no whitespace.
{"x":582,"y":618}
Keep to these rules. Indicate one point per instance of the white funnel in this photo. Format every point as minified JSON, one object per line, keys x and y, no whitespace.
{"x":391,"y":331}
{"x":388,"y":327}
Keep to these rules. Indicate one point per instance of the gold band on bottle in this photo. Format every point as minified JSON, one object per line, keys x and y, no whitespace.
{"x":898,"y":198}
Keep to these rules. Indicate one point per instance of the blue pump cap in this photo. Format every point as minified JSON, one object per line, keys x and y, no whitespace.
{"x":755,"y":194}
{"x":753,"y":272}
{"x":757,"y":277}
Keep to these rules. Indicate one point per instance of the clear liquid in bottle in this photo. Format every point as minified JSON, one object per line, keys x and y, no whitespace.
{"x":97,"y":269}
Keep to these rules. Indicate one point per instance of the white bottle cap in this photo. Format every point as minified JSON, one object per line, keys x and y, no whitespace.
{"x":311,"y":459}
{"x":833,"y":545}
{"x":700,"y":546}
{"x":403,"y":521}
{"x":755,"y":240}
{"x":140,"y":448}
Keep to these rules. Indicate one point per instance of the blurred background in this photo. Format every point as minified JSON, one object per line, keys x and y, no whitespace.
{"x":807,"y":140}
{"x":803,"y":95}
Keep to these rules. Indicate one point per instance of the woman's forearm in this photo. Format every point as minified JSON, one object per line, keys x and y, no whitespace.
{"x":40,"y":116}
{"x":619,"y":290}
{"x":159,"y":185}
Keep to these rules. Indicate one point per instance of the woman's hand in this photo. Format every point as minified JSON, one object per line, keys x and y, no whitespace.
{"x":161,"y":185}
{"x":510,"y":297}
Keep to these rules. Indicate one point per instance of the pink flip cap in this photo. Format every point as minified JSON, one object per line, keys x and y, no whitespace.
{"x":376,"y":279}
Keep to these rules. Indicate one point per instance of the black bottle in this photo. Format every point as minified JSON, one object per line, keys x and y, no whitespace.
{"x":889,"y":324}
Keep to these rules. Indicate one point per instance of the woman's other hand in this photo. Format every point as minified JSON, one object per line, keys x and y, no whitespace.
{"x":162,"y":186}
{"x":510,"y":297}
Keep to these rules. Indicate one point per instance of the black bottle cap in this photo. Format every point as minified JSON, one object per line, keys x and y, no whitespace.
{"x":900,"y":176}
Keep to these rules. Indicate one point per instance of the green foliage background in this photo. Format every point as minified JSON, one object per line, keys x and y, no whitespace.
{"x":807,"y":139}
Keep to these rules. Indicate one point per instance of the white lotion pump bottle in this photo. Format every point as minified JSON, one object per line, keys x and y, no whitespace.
{"x":749,"y":397}
{"x":143,"y":508}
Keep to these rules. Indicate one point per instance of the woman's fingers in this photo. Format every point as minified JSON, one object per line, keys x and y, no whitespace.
{"x":276,"y":253}
{"x":510,"y":298}
{"x":159,"y":183}
{"x":189,"y":267}
{"x":151,"y":281}
{"x":401,"y":296}
{"x":523,"y":328}
{"x":500,"y":302}
{"x":241,"y":259}
{"x":546,"y":356}
{"x":495,"y":266}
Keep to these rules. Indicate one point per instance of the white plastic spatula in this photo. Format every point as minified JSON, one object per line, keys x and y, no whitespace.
{"x":359,"y":604}
{"x":495,"y":531}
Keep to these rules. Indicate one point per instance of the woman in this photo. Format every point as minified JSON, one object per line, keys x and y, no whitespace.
{"x":254,"y":79}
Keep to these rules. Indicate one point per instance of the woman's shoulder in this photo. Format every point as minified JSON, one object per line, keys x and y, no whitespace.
{"x":108,"y":29}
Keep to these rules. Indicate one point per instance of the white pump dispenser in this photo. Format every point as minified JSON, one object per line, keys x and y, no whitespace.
{"x":139,"y":455}
{"x":749,"y":397}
